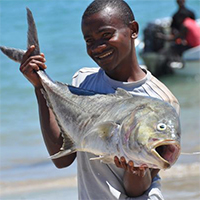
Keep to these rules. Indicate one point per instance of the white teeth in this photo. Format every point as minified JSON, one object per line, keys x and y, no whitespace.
{"x":106,"y":54}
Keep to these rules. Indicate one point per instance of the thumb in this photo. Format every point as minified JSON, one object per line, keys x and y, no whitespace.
{"x":28,"y":53}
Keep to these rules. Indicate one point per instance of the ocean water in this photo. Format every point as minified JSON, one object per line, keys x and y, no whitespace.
{"x":23,"y":155}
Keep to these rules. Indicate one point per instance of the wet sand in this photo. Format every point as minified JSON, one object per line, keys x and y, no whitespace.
{"x":185,"y":188}
{"x":181,"y":182}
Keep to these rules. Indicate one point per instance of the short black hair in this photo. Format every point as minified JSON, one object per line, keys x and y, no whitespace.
{"x":124,"y":11}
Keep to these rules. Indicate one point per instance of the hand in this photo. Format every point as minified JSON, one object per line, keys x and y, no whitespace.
{"x":129,"y":167}
{"x":31,"y":64}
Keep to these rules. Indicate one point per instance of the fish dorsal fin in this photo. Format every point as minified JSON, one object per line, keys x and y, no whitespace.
{"x":122,"y":93}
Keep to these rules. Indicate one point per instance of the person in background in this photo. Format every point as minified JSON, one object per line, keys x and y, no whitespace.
{"x":185,"y":34}
{"x":175,"y":25}
{"x":109,"y":29}
{"x":188,"y":35}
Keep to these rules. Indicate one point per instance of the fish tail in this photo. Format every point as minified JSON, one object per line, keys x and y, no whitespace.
{"x":12,"y":53}
{"x":17,"y":54}
{"x":32,"y":33}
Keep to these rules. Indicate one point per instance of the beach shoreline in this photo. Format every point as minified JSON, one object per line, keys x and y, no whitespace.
{"x":180,"y":181}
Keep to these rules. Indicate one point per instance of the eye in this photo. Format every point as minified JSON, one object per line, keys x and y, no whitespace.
{"x":107,"y":35}
{"x":161,"y":127}
{"x":89,"y":41}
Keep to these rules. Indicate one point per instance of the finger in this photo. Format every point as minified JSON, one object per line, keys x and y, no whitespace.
{"x":36,"y":57}
{"x":38,"y":60}
{"x":32,"y":67}
{"x":28,"y":53}
{"x":133,"y":169}
{"x":117,"y":163}
{"x":123,"y":162}
{"x":40,"y":63}
{"x":142,"y":171}
{"x":130,"y":166}
{"x":42,"y":54}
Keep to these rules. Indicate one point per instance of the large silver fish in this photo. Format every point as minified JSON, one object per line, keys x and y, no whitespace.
{"x":143,"y":129}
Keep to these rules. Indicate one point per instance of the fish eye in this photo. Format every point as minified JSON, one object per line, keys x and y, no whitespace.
{"x":161,"y":126}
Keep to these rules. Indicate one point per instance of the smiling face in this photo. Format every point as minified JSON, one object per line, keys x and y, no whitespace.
{"x":109,"y":40}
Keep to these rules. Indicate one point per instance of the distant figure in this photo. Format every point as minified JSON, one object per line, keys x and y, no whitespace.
{"x":175,"y":25}
{"x":185,"y":34}
{"x":188,"y":35}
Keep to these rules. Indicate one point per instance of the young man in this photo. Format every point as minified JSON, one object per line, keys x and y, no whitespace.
{"x":109,"y":29}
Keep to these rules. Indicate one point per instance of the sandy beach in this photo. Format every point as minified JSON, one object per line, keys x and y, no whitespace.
{"x":176,"y":185}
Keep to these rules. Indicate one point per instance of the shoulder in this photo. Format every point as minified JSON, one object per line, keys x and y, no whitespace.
{"x":191,"y":14}
{"x":154,"y":86}
{"x":187,"y":12}
{"x":81,"y":75}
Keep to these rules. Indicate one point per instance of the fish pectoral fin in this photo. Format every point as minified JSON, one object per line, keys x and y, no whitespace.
{"x":107,"y":129}
{"x":62,"y":153}
{"x":96,"y":158}
{"x":105,"y":159}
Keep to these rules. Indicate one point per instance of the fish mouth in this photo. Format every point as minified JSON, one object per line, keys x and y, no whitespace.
{"x":166,"y":151}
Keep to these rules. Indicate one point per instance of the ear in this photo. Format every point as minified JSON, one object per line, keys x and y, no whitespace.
{"x":134,"y":29}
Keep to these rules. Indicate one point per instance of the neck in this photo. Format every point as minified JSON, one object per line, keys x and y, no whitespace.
{"x":131,"y":74}
{"x":128,"y":71}
{"x":180,"y":7}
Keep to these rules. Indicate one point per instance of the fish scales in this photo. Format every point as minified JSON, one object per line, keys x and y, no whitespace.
{"x":108,"y":114}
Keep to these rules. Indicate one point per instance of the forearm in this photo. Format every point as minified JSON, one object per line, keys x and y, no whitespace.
{"x":51,"y":132}
{"x":136,"y":185}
